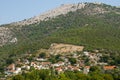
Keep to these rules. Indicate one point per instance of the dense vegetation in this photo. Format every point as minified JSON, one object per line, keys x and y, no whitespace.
{"x":94,"y":74}
{"x":98,"y":31}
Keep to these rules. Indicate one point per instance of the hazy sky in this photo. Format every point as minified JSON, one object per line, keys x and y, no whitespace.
{"x":16,"y":10}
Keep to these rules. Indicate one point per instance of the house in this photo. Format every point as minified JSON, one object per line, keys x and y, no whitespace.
{"x":86,"y":69}
{"x":93,"y":62}
{"x":60,"y":63}
{"x":33,"y":64}
{"x":27,"y":67}
{"x":102,"y":63}
{"x":81,"y":63}
{"x":109,"y":67}
{"x":41,"y":59}
{"x":75,"y":55}
{"x":26,"y":61}
{"x":96,"y":51}
{"x":92,"y":55}
{"x":70,"y":68}
{"x":59,"y":70}
{"x":99,"y":55}
{"x":65,"y":59}
{"x":86,"y":53}
{"x":76,"y":69}
{"x":10,"y":69}
{"x":45,"y":65}
{"x":17,"y":71}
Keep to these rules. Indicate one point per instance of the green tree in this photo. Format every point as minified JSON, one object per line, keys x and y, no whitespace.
{"x":9,"y":61}
{"x":63,"y":77}
{"x":18,"y":77}
{"x":95,"y":69}
{"x":108,"y":77}
{"x":72,"y":61}
{"x":42,"y":55}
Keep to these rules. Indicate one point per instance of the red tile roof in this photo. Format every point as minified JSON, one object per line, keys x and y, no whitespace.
{"x":11,"y":66}
{"x":88,"y":67}
{"x":109,"y":67}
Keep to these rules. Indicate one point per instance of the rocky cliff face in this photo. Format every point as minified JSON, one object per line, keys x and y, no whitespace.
{"x":6,"y":36}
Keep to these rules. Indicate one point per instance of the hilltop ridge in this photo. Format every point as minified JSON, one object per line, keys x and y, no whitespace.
{"x":63,"y":9}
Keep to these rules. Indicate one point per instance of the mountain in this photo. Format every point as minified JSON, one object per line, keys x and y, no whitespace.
{"x":63,"y":9}
{"x":92,"y":25}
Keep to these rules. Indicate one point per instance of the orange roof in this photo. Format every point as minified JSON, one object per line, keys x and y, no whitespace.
{"x":76,"y":68}
{"x":59,"y":68}
{"x":87,"y":67}
{"x":46,"y":63}
{"x":109,"y":67}
{"x":11,"y":66}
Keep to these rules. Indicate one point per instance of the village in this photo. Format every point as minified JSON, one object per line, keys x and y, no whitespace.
{"x":61,"y":57}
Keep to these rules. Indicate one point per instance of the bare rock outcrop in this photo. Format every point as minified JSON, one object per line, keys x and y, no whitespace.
{"x":6,"y":36}
{"x":64,"y":48}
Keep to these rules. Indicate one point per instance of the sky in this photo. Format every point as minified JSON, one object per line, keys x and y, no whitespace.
{"x":17,"y":10}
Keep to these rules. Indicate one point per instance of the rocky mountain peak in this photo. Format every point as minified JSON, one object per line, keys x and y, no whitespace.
{"x":63,"y":9}
{"x":88,"y":8}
